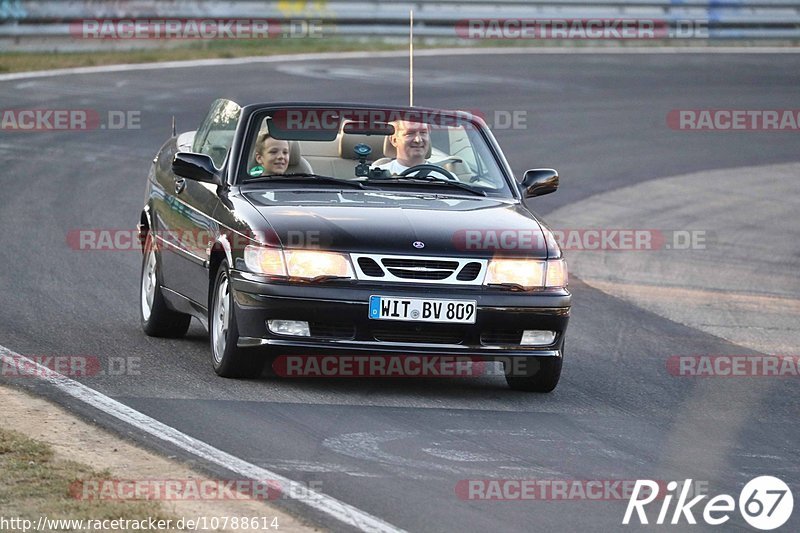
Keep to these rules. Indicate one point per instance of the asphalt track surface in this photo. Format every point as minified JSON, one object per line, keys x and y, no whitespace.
{"x":398,"y":448}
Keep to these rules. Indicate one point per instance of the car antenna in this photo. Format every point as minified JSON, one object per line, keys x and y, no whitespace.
{"x":410,"y":58}
{"x":174,"y":131}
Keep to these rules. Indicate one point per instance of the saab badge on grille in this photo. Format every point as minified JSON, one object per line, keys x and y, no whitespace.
{"x":419,"y":244}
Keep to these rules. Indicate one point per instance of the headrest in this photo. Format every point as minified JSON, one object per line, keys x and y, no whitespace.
{"x":347,"y":141}
{"x":391,"y":152}
{"x":388,"y":148}
{"x":294,"y":153}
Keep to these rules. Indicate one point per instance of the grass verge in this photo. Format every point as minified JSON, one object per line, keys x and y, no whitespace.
{"x":177,"y":51}
{"x":33,"y":483}
{"x":28,"y":61}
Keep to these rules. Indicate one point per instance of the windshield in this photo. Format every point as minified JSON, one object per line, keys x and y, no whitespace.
{"x":391,"y":149}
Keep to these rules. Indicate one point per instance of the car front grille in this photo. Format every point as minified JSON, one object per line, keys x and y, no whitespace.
{"x":420,"y":268}
{"x":408,"y":269}
{"x":419,"y":333}
{"x":323,"y":330}
{"x":416,"y":333}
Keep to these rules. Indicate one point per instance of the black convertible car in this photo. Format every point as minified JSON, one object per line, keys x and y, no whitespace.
{"x":342,"y":229}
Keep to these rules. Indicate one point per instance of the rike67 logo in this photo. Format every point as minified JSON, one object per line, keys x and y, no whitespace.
{"x":765,"y":503}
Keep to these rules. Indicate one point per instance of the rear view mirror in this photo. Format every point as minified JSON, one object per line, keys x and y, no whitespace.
{"x":368,"y":128}
{"x":303,"y":125}
{"x":538,"y":182}
{"x":197,"y":167}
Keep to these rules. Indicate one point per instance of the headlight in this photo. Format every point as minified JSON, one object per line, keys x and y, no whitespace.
{"x":312,"y":264}
{"x":522,"y":272}
{"x":557,"y":275}
{"x":306,"y":264}
{"x":527,"y":273}
{"x":263,"y":260}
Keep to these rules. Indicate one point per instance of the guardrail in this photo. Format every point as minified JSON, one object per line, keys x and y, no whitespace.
{"x":24,"y":21}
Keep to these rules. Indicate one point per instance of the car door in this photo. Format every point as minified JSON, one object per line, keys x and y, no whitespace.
{"x":190,"y":225}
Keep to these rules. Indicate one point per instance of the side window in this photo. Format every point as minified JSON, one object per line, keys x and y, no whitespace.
{"x":215,"y":135}
{"x":461,"y":147}
{"x":477,"y":164}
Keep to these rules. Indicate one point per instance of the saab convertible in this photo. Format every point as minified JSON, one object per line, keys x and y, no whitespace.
{"x":341,"y":229}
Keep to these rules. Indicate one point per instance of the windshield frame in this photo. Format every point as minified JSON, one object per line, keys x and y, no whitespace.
{"x":254,"y":115}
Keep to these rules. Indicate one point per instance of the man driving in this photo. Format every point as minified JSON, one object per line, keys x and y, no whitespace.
{"x":412,"y":141}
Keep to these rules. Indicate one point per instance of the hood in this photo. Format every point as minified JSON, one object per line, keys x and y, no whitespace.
{"x":391,"y":223}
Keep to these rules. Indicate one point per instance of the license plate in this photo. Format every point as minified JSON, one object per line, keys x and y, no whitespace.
{"x":422,"y":310}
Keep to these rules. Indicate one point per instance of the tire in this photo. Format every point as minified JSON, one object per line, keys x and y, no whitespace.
{"x":534,"y":374}
{"x":228,"y":359}
{"x":157,"y":319}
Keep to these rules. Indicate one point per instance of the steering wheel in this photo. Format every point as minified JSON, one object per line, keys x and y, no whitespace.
{"x":426,"y":168}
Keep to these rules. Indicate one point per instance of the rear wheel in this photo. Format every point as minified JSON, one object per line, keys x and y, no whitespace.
{"x":534,"y":374}
{"x":157,"y":319}
{"x":228,"y":359}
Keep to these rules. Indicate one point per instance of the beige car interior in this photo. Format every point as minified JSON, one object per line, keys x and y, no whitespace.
{"x":337,"y":158}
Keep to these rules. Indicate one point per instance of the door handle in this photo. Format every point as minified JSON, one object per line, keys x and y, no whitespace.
{"x":180,"y":185}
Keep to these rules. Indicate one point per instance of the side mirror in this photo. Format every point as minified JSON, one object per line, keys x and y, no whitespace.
{"x":538,"y":182}
{"x":197,"y":167}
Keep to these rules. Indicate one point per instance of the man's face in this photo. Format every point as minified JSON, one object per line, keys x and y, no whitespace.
{"x":412,"y":140}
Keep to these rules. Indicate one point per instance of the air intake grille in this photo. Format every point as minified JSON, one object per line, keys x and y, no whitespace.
{"x":370,"y":267}
{"x":409,"y":269}
{"x":420,"y":268}
{"x":419,"y":263}
{"x":469,"y":272}
{"x":322,"y":330}
{"x":421,"y":333}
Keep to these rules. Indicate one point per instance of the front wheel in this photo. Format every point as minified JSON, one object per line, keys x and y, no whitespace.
{"x":534,"y":374}
{"x":157,"y":319}
{"x":228,"y":359}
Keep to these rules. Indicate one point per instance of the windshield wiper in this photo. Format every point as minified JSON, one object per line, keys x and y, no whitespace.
{"x":429,"y":179}
{"x":305,"y":176}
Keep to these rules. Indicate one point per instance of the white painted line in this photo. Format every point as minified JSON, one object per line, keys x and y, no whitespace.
{"x":332,"y":507}
{"x":431,"y":52}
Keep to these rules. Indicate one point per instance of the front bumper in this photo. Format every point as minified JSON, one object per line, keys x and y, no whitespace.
{"x":339,"y":323}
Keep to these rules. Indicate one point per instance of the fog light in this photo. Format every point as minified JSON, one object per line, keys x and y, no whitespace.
{"x":537,"y":337}
{"x":298,"y":328}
